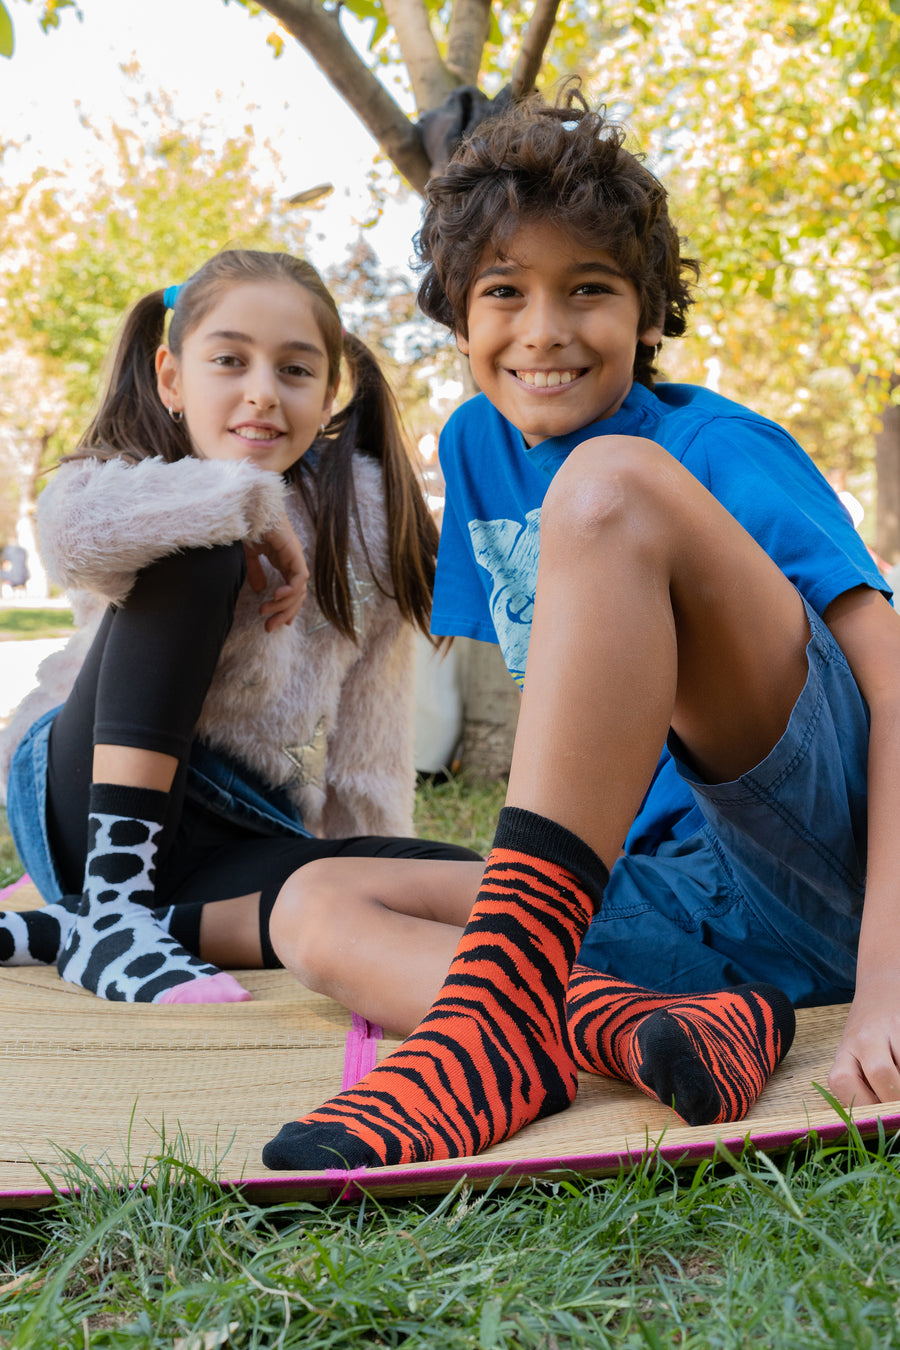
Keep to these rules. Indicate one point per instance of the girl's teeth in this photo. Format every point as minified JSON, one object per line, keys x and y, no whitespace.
{"x":251,"y":434}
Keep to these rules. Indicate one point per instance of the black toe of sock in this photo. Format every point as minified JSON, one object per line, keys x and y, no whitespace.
{"x":671,"y":1069}
{"x":313,"y":1147}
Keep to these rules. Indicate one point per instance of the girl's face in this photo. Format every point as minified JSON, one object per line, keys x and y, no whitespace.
{"x":252,"y":378}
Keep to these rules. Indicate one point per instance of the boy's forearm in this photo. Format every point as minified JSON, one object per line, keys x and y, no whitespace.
{"x":879,"y":939}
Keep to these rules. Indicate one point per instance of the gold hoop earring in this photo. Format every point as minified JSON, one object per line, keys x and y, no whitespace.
{"x":176,"y":414}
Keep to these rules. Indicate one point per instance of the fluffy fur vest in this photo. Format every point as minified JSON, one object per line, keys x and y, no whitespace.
{"x":305,"y":708}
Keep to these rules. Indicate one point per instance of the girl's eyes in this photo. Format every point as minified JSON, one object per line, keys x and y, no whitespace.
{"x":231,"y":362}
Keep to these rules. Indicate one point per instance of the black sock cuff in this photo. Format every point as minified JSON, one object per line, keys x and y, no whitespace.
{"x":542,"y":838}
{"x":134,"y":803}
{"x":184,"y":925}
{"x":267,"y":898}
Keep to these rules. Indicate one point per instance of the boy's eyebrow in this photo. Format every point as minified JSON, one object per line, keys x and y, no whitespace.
{"x":500,"y":269}
{"x":232,"y":335}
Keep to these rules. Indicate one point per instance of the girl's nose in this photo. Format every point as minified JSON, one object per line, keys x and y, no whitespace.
{"x":261,"y":390}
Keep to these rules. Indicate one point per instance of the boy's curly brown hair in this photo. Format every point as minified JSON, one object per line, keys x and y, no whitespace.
{"x":567,"y":165}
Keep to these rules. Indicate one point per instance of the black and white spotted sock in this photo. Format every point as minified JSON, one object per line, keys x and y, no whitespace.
{"x":116,"y":948}
{"x":35,"y":937}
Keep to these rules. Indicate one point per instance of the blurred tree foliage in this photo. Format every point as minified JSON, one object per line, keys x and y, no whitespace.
{"x":775,"y":126}
{"x":160,"y":201}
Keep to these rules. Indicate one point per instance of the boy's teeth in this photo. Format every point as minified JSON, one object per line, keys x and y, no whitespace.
{"x":546,"y":379}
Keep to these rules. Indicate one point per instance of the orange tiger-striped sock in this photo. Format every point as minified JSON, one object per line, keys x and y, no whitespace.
{"x":708,"y":1056}
{"x":492,"y":1055}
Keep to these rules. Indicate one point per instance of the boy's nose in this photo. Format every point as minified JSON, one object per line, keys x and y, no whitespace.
{"x":545,"y":324}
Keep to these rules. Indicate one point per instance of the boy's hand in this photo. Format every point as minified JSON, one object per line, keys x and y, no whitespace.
{"x":283,"y":550}
{"x":866,"y":1067}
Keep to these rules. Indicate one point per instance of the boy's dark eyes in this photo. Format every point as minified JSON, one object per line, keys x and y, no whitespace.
{"x":587,"y":288}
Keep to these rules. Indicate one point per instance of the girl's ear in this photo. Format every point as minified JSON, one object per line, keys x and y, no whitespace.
{"x":328,"y":405}
{"x":168,"y":383}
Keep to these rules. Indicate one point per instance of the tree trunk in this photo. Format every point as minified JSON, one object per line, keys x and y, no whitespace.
{"x":887,"y":472}
{"x":490,"y":711}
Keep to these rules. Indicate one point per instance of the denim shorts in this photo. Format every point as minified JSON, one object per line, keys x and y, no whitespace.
{"x":771,"y":886}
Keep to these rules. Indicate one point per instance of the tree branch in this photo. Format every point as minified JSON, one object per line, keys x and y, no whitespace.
{"x":430,"y":79}
{"x":467,"y":32}
{"x":534,"y":44}
{"x":319,"y":32}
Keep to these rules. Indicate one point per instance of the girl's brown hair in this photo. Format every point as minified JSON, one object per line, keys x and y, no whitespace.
{"x":133,"y":422}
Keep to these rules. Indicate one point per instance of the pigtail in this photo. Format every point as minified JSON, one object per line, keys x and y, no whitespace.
{"x":370,"y":424}
{"x":131,"y":420}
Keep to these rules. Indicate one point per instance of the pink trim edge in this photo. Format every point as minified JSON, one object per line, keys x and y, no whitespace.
{"x":356,"y":1183}
{"x":361,"y":1050}
{"x":345,"y":1185}
{"x":14,"y":886}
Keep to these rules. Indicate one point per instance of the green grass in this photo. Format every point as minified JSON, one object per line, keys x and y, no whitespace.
{"x":10,"y":866}
{"x":34,"y":623}
{"x":802,"y":1255}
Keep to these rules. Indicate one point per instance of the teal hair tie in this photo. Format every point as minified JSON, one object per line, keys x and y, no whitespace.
{"x":170,"y":295}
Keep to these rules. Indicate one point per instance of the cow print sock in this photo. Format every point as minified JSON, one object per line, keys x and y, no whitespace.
{"x":116,"y":948}
{"x":34,"y":937}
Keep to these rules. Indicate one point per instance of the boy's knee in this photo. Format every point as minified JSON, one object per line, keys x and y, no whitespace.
{"x":605,"y":481}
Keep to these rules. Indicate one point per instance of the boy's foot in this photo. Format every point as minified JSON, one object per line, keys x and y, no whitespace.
{"x":707,"y":1056}
{"x":116,"y":947}
{"x":492,"y":1055}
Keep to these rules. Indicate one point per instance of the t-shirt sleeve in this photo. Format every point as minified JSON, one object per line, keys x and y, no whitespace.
{"x":461,"y":605}
{"x":770,"y":485}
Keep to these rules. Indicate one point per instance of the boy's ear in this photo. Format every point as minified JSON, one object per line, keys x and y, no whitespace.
{"x":462,"y":344}
{"x":168,"y":384}
{"x":651,"y":337}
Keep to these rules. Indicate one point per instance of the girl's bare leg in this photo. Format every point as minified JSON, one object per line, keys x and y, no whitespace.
{"x":376,"y":934}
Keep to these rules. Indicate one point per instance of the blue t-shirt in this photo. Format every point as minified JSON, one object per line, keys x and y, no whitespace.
{"x":488,"y":556}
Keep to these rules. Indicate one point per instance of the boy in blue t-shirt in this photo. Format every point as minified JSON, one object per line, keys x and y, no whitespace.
{"x":703,"y":643}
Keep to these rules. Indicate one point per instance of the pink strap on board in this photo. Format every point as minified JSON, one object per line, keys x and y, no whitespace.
{"x":361,"y":1050}
{"x":14,"y":886}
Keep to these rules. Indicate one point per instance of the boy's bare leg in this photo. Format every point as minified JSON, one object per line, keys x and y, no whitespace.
{"x":376,"y":934}
{"x":653,"y":608}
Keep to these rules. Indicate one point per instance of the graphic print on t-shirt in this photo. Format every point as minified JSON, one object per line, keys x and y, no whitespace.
{"x":508,"y":550}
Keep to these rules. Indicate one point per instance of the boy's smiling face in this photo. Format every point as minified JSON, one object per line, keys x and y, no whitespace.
{"x":553,"y":329}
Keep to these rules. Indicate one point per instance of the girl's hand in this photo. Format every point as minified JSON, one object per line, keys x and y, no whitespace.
{"x":283,"y":550}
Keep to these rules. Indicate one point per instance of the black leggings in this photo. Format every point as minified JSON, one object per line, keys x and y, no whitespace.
{"x":143,"y":684}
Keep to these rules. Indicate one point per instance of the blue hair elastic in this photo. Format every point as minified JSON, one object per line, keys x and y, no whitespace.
{"x":170,"y":295}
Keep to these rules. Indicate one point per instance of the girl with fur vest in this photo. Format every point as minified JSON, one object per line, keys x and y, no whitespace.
{"x":217,"y":722}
